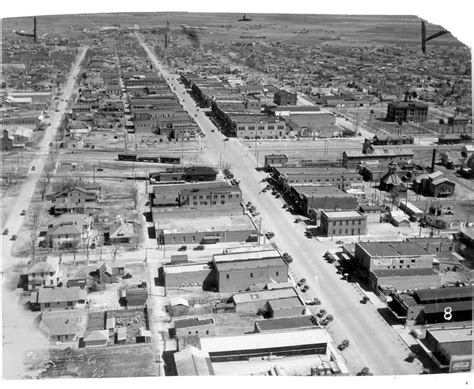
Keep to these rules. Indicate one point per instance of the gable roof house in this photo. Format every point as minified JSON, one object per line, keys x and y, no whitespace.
{"x":75,"y":199}
{"x":69,"y":230}
{"x":120,"y":233}
{"x":58,"y":298}
{"x":43,"y":272}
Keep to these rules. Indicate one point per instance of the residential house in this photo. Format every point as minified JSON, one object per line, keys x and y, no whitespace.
{"x":68,"y":231}
{"x":43,"y":272}
{"x":63,"y":326}
{"x":48,"y":299}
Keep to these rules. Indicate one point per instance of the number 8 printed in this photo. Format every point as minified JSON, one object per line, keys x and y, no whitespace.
{"x":448,"y":313}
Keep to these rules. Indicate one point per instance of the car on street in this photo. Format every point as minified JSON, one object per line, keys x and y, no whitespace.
{"x":13,"y":237}
{"x":33,"y":168}
{"x":212,"y":130}
{"x":339,"y":242}
{"x":313,"y":301}
{"x":56,"y":110}
{"x":226,"y":139}
{"x":270,"y":234}
{"x":5,"y":231}
{"x":301,"y":282}
{"x":23,"y":213}
{"x":182,"y":248}
{"x":199,"y":248}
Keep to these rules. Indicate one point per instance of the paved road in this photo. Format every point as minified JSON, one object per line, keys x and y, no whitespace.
{"x":373,"y":343}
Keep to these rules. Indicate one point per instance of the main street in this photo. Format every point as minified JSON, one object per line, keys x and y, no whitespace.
{"x":373,"y":342}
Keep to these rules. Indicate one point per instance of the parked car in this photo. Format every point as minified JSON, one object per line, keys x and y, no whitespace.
{"x":199,"y":247}
{"x":339,"y":242}
{"x":305,"y":288}
{"x":5,"y":231}
{"x":33,"y":168}
{"x":13,"y":237}
{"x":226,"y":139}
{"x":301,"y":282}
{"x":183,"y":248}
{"x":329,"y":318}
{"x":364,"y":300}
{"x":270,"y":234}
{"x":23,"y":213}
{"x":344,"y":344}
{"x":313,"y":301}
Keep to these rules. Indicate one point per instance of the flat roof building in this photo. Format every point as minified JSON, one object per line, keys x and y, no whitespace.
{"x":244,"y":347}
{"x":340,"y":223}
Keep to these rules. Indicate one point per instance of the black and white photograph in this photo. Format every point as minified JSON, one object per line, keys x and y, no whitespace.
{"x":239,"y":190}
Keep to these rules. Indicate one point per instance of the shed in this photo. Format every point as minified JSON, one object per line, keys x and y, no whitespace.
{"x":121,"y":335}
{"x":96,"y":338}
{"x":135,"y":297}
{"x":179,"y":306}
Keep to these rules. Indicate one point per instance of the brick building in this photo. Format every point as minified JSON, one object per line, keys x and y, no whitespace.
{"x":407,"y":111}
{"x":340,"y":223}
{"x":238,"y":271}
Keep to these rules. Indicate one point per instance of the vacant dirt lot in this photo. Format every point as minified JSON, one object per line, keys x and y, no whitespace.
{"x":116,"y":361}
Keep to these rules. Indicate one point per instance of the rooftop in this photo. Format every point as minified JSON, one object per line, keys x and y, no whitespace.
{"x":290,"y":302}
{"x":192,"y":322}
{"x":263,"y":295}
{"x":218,"y":344}
{"x":244,"y":256}
{"x":205,"y":223}
{"x":193,"y":362}
{"x":448,"y":335}
{"x":343,"y":214}
{"x":250,"y":264}
{"x":52,"y":295}
{"x":284,"y":323}
{"x":444,"y":293}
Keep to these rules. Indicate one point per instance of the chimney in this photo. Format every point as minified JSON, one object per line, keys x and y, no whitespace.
{"x":433,"y":160}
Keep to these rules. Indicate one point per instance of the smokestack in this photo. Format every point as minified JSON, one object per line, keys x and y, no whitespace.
{"x":433,"y":160}
{"x":423,"y":37}
{"x":34,"y":29}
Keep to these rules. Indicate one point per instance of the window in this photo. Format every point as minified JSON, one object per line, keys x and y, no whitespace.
{"x":195,"y":203}
{"x":70,"y":303}
{"x":184,"y":239}
{"x":277,"y":273}
{"x":222,"y":201}
{"x":47,"y":305}
{"x":408,"y":266}
{"x":227,"y":276}
{"x":194,"y":238}
{"x":251,"y":275}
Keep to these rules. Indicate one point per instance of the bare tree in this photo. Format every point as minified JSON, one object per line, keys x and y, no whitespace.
{"x":42,"y":187}
{"x":114,"y":249}
{"x":135,"y":195}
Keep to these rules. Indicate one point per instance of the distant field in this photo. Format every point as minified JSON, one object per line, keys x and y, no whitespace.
{"x":335,"y":30}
